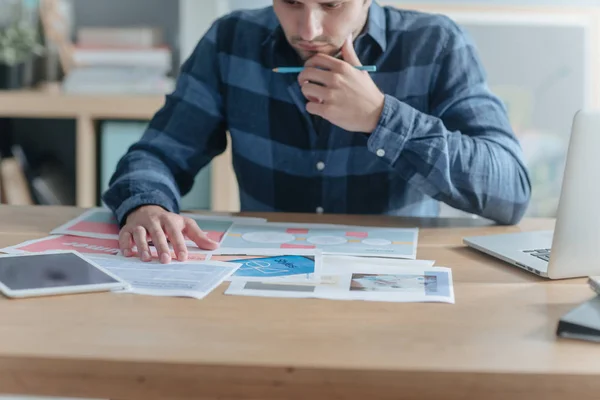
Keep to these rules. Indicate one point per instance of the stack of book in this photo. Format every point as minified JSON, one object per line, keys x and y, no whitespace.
{"x":583,"y":322}
{"x":128,"y":60}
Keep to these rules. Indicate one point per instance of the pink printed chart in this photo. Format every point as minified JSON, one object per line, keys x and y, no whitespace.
{"x":330,"y":239}
{"x":108,"y":247}
{"x":81,"y":244}
{"x":100,"y":223}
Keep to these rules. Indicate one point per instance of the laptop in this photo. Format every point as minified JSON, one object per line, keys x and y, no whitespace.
{"x":572,"y":249}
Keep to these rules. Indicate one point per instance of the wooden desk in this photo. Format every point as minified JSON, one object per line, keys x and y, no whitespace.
{"x":496,"y":342}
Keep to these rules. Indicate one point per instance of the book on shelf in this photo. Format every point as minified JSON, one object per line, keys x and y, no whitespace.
{"x":117,"y":80}
{"x":123,"y":37}
{"x":51,"y":185}
{"x":158,"y":58}
{"x":14,"y":183}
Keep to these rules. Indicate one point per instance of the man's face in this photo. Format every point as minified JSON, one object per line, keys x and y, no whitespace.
{"x":320,"y":26}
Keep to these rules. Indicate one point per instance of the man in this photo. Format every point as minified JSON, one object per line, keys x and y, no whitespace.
{"x":423,"y":128}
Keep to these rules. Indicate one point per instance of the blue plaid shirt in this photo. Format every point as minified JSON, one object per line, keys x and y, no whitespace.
{"x":442,"y":136}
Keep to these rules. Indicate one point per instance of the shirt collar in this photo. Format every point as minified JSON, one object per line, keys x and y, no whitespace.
{"x":375,"y":27}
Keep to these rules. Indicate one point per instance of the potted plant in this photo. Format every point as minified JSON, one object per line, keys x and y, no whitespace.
{"x":18,"y":45}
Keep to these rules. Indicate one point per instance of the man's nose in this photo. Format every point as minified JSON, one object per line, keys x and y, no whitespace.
{"x":310,"y":26}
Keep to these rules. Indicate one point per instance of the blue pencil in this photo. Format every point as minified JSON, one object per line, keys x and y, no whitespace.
{"x":294,"y":70}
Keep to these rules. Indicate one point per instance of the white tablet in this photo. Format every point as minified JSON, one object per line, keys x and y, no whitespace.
{"x":53,"y":273}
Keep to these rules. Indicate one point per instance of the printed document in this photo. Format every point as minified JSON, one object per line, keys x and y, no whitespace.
{"x":366,"y":282}
{"x":178,"y":279}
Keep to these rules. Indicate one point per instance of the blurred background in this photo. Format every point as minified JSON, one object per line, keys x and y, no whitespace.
{"x":79,"y":80}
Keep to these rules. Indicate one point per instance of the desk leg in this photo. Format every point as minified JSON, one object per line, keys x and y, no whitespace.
{"x":224,"y":190}
{"x":86,"y":162}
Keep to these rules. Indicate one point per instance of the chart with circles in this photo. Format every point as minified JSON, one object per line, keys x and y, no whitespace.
{"x":365,"y":241}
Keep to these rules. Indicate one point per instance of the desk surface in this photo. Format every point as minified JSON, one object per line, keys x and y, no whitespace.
{"x":496,"y":342}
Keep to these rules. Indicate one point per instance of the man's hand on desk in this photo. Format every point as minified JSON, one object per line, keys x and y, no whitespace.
{"x":160,"y":226}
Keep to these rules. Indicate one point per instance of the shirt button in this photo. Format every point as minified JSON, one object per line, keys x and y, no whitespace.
{"x":381,"y":153}
{"x":320,"y":165}
{"x":320,"y":210}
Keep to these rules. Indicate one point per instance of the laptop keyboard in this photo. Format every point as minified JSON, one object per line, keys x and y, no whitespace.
{"x":542,"y":254}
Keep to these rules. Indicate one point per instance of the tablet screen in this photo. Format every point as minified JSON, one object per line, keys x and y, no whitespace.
{"x":49,"y":271}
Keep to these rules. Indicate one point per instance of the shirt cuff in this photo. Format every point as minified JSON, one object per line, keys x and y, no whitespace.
{"x":394,"y":128}
{"x":155,"y":198}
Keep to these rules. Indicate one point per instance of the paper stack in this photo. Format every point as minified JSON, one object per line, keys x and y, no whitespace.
{"x":323,"y":261}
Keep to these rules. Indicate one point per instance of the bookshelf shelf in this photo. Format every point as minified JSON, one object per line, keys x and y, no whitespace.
{"x":41,"y":104}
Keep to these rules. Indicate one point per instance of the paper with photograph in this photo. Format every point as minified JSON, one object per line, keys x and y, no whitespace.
{"x":385,"y":284}
{"x":259,"y":265}
{"x":87,"y":245}
{"x":330,"y":239}
{"x":193,"y":279}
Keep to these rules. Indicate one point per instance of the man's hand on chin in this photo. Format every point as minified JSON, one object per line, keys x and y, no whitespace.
{"x":340,"y":93}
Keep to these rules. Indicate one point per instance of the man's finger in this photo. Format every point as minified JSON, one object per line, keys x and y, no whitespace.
{"x":317,"y":109}
{"x":310,"y":90}
{"x":349,"y":54}
{"x":160,"y":242}
{"x":177,"y":240}
{"x":315,"y":75}
{"x":196,"y":235}
{"x":126,"y":243}
{"x":323,"y":61}
{"x":140,"y":236}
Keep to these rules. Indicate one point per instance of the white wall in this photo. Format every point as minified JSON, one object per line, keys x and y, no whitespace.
{"x":238,"y":4}
{"x":196,"y":16}
{"x":235,"y":4}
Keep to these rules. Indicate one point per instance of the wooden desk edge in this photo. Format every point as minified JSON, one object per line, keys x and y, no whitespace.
{"x":106,"y":379}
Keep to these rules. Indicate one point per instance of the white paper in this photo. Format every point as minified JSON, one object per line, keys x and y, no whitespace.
{"x":385,"y":284}
{"x":330,"y":239}
{"x":178,"y":279}
{"x":336,"y":265}
{"x":273,"y":264}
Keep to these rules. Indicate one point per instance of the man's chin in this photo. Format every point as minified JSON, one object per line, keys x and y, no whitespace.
{"x":306,"y":55}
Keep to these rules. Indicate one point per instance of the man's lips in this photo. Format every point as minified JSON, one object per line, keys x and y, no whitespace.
{"x":310,"y":47}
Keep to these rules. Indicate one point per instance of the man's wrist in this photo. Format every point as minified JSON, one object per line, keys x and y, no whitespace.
{"x":376,"y":115}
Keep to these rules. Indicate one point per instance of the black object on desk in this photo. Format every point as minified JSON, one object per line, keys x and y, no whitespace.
{"x":582,"y":323}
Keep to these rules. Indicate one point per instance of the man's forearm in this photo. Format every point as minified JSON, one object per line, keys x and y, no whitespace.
{"x":480,"y":172}
{"x":141,"y":179}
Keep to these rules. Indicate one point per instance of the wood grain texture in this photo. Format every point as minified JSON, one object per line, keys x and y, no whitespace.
{"x":48,"y":104}
{"x":496,"y":342}
{"x":86,"y":162}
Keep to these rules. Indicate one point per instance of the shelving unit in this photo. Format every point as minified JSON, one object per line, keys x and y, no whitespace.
{"x":87,"y":111}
